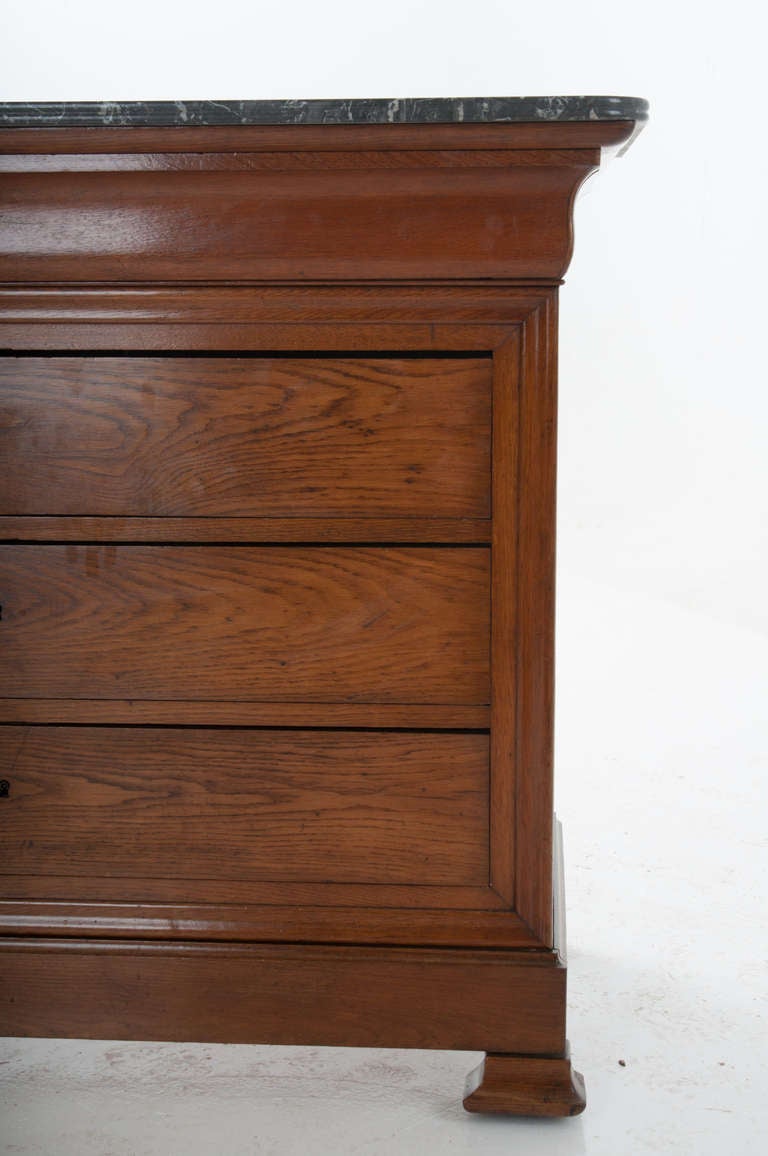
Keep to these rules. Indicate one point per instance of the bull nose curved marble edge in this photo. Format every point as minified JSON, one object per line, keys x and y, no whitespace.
{"x":403,"y":110}
{"x":277,"y":557}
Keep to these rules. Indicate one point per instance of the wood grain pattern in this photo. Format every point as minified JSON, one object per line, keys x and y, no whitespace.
{"x":535,"y":656}
{"x":290,"y":161}
{"x":318,"y":805}
{"x":175,"y":712}
{"x":429,"y":918}
{"x":508,"y":492}
{"x":304,"y":530}
{"x":237,"y":623}
{"x":446,"y":306}
{"x":525,"y":1086}
{"x":267,"y":993}
{"x":354,"y":241}
{"x":302,"y":226}
{"x":96,"y":334}
{"x":245,"y":437}
{"x":216,"y":902}
{"x":323,"y":138}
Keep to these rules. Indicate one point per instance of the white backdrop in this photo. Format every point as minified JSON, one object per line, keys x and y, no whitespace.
{"x":663,"y":555}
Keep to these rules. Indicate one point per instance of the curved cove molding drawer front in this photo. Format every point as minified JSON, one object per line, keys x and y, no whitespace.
{"x":164,"y":226}
{"x":245,"y":436}
{"x":291,"y":624}
{"x":185,"y":806}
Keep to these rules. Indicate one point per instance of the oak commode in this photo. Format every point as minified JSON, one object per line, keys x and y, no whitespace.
{"x":277,"y":423}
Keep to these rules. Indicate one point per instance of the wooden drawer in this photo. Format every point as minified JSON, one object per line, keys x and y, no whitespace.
{"x":405,"y":219}
{"x":278,"y":434}
{"x":290,"y":624}
{"x":245,"y":436}
{"x":199,"y":805}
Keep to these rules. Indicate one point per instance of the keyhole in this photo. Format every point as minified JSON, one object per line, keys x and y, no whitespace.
{"x":5,"y":788}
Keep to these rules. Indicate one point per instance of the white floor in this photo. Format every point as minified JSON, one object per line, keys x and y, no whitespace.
{"x":661,"y":785}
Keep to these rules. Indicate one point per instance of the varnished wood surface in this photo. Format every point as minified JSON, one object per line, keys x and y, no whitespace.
{"x":355,"y":242}
{"x":323,"y":138}
{"x":509,"y":490}
{"x":318,"y":225}
{"x":116,"y":902}
{"x":308,"y":531}
{"x":376,"y":308}
{"x":423,"y":919}
{"x":299,"y":161}
{"x":175,"y":712}
{"x":262,"y":336}
{"x":341,"y":806}
{"x":535,"y":608}
{"x":355,"y":996}
{"x":336,"y":624}
{"x":525,"y":1086}
{"x":245,"y":437}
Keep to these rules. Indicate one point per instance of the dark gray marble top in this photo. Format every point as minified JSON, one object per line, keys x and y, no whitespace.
{"x":419,"y":110}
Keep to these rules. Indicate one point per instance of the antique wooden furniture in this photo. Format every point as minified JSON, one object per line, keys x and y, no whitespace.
{"x":277,"y":423}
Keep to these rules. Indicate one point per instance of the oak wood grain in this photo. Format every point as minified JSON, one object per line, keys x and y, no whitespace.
{"x":351,"y":241}
{"x":535,"y":597}
{"x":321,"y":624}
{"x":316,"y":225}
{"x":432,"y":920}
{"x":267,"y":993}
{"x":245,"y":437}
{"x":175,"y":712}
{"x":323,"y":138}
{"x":327,"y":806}
{"x":447,"y":306}
{"x":105,"y":334}
{"x":301,"y":161}
{"x":216,"y":902}
{"x":508,"y":492}
{"x":239,"y":530}
{"x":525,"y":1086}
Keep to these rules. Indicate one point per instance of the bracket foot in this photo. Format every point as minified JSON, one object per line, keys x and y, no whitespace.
{"x":525,"y":1086}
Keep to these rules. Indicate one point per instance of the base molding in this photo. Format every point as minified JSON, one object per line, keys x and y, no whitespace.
{"x":509,"y":1003}
{"x":453,"y":999}
{"x":517,"y":1085}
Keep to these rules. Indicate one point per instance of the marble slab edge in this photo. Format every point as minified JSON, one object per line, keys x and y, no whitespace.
{"x":417,"y":110}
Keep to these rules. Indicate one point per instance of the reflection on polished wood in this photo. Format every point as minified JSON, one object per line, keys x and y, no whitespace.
{"x":525,"y":1086}
{"x":277,"y":543}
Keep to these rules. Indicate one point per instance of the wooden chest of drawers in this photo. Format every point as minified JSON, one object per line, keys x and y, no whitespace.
{"x":277,"y":417}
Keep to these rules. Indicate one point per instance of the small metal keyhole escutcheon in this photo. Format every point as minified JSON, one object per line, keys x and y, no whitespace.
{"x":5,"y":788}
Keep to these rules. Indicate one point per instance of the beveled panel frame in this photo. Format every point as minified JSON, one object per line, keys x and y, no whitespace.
{"x":516,"y":326}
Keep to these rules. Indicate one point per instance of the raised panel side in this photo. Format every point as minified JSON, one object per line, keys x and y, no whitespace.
{"x":535,"y":650}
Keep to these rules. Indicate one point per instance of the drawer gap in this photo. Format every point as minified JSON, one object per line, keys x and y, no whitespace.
{"x":257,"y":354}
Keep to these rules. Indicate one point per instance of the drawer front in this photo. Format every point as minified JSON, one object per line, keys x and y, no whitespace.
{"x":189,"y":805}
{"x":290,"y":624}
{"x":245,"y":436}
{"x":414,"y":223}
